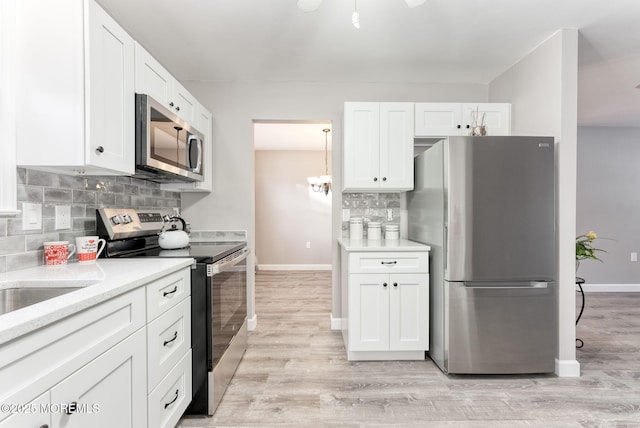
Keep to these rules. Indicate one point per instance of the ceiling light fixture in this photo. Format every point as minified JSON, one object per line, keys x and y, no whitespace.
{"x":322,"y":183}
{"x":355,"y":17}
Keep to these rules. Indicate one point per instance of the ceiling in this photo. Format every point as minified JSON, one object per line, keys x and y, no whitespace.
{"x":459,"y":41}
{"x":291,"y":135}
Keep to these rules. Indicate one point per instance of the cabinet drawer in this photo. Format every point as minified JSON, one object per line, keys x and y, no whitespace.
{"x":171,"y":397}
{"x":167,"y":292}
{"x":389,"y":262}
{"x":168,"y":339}
{"x":46,"y":356}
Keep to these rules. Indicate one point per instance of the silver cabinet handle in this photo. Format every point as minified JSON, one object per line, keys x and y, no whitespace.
{"x":174,"y":399}
{"x":175,"y":336}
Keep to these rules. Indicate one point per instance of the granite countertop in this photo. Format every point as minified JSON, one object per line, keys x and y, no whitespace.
{"x":382,"y":245}
{"x":108,"y":278}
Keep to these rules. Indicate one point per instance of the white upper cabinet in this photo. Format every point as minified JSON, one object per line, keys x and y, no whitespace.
{"x":378,"y":146}
{"x":154,"y":80}
{"x":75,"y":79}
{"x":442,"y":119}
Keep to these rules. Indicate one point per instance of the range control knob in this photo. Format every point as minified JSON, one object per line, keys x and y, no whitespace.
{"x":126,"y":218}
{"x":116,"y":219}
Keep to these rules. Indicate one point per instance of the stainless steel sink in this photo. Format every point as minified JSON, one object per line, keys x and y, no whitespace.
{"x":20,"y":294}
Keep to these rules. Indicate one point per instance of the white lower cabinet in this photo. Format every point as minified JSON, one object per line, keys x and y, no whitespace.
{"x":388,"y":310}
{"x":169,"y":386}
{"x":108,"y":392}
{"x":92,"y":368}
{"x":169,"y":400}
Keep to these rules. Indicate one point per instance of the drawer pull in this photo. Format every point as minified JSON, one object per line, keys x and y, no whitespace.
{"x":166,"y":293}
{"x":389,"y":263}
{"x":172,"y":401}
{"x":44,"y":426}
{"x":395,"y":284}
{"x":384,"y":284}
{"x":175,"y":336}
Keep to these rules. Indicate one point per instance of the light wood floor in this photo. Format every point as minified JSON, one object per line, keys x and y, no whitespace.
{"x":295,"y":374}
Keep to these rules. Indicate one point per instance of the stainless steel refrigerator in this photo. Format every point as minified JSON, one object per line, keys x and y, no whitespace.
{"x":486,"y":206}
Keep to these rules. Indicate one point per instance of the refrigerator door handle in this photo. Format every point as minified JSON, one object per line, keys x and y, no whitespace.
{"x":507,"y":285}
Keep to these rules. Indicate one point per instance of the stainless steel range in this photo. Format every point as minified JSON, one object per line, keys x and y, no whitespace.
{"x":218,"y":295}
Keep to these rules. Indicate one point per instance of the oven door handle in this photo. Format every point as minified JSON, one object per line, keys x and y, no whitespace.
{"x":216,"y":268}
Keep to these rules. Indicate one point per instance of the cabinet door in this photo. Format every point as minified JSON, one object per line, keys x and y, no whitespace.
{"x":110,"y":133}
{"x":186,"y":104}
{"x":396,"y":146}
{"x":35,"y":417}
{"x":152,"y":78}
{"x":361,"y":146}
{"x":369,"y":312}
{"x":438,"y":119}
{"x":497,"y":116}
{"x":408,"y":312}
{"x":110,"y":391}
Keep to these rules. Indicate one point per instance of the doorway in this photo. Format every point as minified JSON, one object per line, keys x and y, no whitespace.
{"x":293,"y":222}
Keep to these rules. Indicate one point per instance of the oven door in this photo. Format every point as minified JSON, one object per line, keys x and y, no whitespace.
{"x":228,"y":304}
{"x":228,"y":322}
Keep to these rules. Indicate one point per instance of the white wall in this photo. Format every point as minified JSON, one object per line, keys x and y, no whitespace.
{"x":543,"y":90}
{"x":288,"y":213}
{"x":235,"y":105}
{"x":608,"y":202}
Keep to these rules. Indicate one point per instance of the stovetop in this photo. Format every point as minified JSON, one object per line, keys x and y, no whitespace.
{"x":203,"y":252}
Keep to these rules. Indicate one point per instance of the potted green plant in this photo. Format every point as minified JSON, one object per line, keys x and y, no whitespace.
{"x":585,"y":248}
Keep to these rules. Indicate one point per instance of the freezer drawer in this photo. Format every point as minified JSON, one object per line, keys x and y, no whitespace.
{"x":503,"y":328}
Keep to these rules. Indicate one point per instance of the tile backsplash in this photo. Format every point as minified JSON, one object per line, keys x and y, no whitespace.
{"x":21,"y":249}
{"x":371,"y":207}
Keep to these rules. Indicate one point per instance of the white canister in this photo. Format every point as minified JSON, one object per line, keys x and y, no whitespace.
{"x":355,"y":228}
{"x":392,"y":232}
{"x":374,"y":231}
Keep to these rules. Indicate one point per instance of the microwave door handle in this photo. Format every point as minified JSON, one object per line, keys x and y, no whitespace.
{"x":192,"y":139}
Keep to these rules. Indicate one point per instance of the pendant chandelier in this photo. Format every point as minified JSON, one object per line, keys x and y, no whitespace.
{"x":323,"y":182}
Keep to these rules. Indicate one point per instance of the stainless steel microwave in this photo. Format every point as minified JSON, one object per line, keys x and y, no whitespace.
{"x":168,"y":149}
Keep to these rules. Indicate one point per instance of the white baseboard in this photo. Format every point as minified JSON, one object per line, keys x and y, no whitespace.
{"x":336,"y":323}
{"x":293,"y":267}
{"x":567,"y":368}
{"x":252,"y":322}
{"x":611,"y":288}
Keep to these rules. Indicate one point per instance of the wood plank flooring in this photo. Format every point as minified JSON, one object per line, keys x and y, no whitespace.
{"x":295,"y":374}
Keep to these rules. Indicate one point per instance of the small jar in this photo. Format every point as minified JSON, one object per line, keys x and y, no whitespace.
{"x":392,"y":232}
{"x":374,"y":231}
{"x":355,"y":228}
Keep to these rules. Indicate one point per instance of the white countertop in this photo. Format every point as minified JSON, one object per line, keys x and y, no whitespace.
{"x":382,"y":245}
{"x":109,"y":278}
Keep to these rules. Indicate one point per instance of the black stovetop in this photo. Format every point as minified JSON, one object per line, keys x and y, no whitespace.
{"x":202,"y":252}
